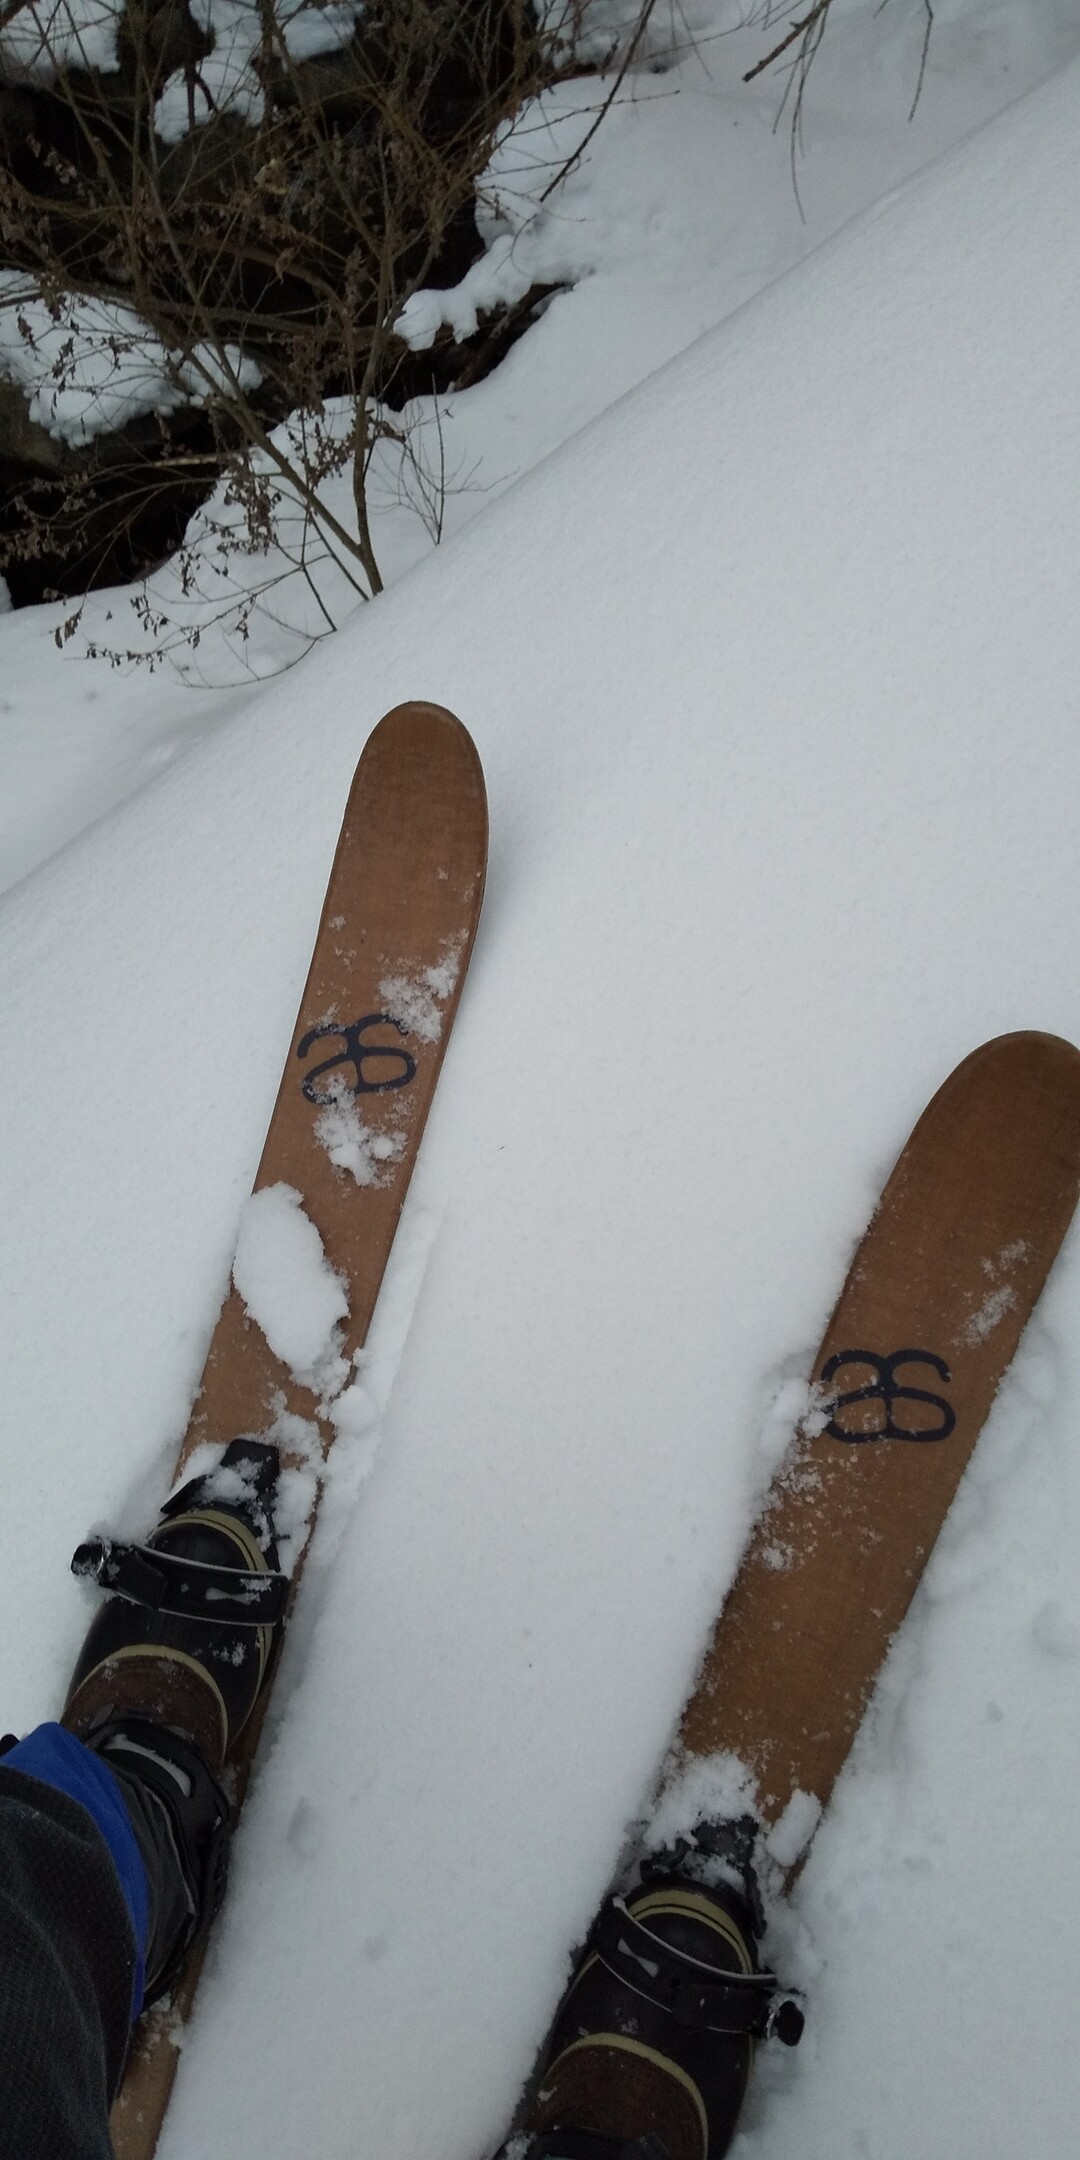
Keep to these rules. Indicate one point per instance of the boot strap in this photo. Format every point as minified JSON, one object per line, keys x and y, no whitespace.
{"x":695,"y":1994}
{"x":192,"y":1589}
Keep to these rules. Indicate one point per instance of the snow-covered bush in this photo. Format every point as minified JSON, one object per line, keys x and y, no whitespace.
{"x":214,"y":213}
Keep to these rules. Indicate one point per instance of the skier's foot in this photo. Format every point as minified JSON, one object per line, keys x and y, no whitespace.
{"x":651,"y":2048}
{"x":168,"y":1676}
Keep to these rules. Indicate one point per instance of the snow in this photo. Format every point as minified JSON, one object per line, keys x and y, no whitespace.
{"x":38,"y":39}
{"x":90,"y":365}
{"x":286,"y":1281}
{"x":296,"y":1490}
{"x":227,"y":79}
{"x":354,"y":1146}
{"x":773,"y":669}
{"x":415,"y":1004}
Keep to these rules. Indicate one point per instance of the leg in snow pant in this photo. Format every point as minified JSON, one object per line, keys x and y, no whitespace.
{"x":73,"y":1917}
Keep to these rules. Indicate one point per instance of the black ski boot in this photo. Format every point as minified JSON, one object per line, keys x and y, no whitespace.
{"x":650,"y":2053}
{"x":168,"y":1676}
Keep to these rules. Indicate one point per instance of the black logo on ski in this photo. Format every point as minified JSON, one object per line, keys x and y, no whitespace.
{"x":359,"y":1055}
{"x":888,"y":1391}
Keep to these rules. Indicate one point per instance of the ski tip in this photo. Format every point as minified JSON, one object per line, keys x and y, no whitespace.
{"x":1027,"y":1078}
{"x":1026,"y":1052}
{"x":1038,"y":1041}
{"x":417,"y":720}
{"x":420,"y":738}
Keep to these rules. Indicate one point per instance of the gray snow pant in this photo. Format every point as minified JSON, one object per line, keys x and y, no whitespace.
{"x":67,"y":1965}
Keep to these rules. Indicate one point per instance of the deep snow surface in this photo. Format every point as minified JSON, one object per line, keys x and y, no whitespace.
{"x":679,"y":210}
{"x":774,"y":673}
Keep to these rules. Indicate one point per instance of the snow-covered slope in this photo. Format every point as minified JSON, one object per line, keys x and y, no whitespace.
{"x":774,"y":672}
{"x":681,"y":206}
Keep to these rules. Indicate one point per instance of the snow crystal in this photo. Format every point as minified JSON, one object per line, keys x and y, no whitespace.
{"x":351,"y":1144}
{"x":990,"y":1313}
{"x":415,"y":999}
{"x":286,"y":1281}
{"x":700,"y":1788}
{"x":776,"y":1556}
{"x":999,"y":1301}
{"x":789,"y":1837}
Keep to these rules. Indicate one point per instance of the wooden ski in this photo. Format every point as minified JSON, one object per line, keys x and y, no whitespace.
{"x":386,"y":975}
{"x":936,"y":1300}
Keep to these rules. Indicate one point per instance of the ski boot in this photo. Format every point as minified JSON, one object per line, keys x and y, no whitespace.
{"x":650,"y":2053}
{"x":169,"y":1674}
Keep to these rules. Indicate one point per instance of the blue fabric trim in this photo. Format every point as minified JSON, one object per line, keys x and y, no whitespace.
{"x":57,"y":1758}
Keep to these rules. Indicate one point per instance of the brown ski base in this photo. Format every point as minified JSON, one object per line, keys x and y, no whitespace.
{"x":390,"y":956}
{"x":936,"y":1300}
